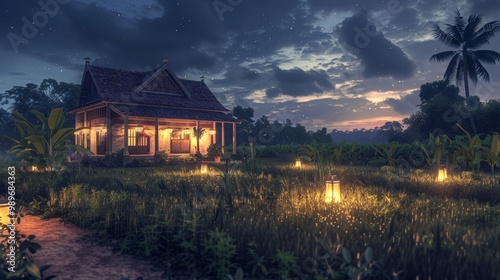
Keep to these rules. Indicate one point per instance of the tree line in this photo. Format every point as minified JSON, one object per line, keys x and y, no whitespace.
{"x":441,"y":109}
{"x":44,"y":97}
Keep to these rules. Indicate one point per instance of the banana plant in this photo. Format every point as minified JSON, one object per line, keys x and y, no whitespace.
{"x":438,"y":147}
{"x":468,"y":147}
{"x":489,"y":151}
{"x":345,"y":151}
{"x":386,"y":154}
{"x":337,"y":151}
{"x":44,"y":145}
{"x":320,"y":154}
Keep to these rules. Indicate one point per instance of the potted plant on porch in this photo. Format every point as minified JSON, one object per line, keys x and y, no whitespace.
{"x":214,"y":152}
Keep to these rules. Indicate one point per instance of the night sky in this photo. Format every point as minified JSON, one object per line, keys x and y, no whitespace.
{"x":322,"y":63}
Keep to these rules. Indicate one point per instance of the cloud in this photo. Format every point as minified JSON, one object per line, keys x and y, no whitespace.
{"x":342,"y":5}
{"x":16,"y":73}
{"x":273,"y":92}
{"x":236,"y":74}
{"x":378,"y":56}
{"x":122,"y":41}
{"x":485,"y":7}
{"x":297,"y":82}
{"x":406,"y":105}
{"x":407,"y":19}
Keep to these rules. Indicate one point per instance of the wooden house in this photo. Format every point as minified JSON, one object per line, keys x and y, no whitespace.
{"x":147,"y":112}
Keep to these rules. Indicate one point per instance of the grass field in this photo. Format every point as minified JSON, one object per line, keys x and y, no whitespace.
{"x":273,"y":222}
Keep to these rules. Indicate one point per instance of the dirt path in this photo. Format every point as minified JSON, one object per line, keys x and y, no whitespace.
{"x":72,"y":258}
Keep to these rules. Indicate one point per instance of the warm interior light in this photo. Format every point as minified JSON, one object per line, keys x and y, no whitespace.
{"x":84,"y":131}
{"x":211,"y":131}
{"x":298,"y":162}
{"x":4,"y":212}
{"x":442,"y":174}
{"x":187,"y":131}
{"x":332,"y":189}
{"x":139,"y":128}
{"x":204,"y":169}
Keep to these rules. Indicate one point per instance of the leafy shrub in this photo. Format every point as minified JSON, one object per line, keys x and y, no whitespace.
{"x":116,"y":158}
{"x":25,"y":266}
{"x":214,"y":150}
{"x":220,"y":249}
{"x":161,"y":158}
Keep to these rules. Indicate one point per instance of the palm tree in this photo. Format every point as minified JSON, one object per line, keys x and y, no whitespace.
{"x":466,"y":61}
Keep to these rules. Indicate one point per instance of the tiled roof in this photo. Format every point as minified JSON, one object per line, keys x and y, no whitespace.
{"x":173,"y":113}
{"x":119,"y":86}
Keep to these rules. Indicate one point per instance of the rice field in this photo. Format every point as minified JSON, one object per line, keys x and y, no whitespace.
{"x":274,"y":223}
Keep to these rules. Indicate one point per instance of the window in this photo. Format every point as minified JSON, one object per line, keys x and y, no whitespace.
{"x":132,"y":137}
{"x":137,"y":138}
{"x":138,"y":142}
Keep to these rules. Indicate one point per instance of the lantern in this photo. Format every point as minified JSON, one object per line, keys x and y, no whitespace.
{"x":4,"y":212}
{"x":204,"y":169}
{"x":442,"y":174}
{"x":332,"y":189}
{"x":298,"y":163}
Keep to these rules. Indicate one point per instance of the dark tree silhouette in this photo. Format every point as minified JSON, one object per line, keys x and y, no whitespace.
{"x":466,"y":61}
{"x":467,"y":38}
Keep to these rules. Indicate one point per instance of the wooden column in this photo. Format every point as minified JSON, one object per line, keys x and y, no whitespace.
{"x":197,"y":139}
{"x":109,"y":132}
{"x":85,"y":135}
{"x":212,"y":137}
{"x":157,"y":138}
{"x":223,"y":135}
{"x":234,"y":138}
{"x":76,"y":127}
{"x":125,"y":135}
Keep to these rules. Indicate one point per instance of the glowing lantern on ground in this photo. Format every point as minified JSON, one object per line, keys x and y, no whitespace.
{"x":298,"y":162}
{"x":442,"y":174}
{"x":4,"y":212}
{"x":204,"y":169}
{"x":332,"y":189}
{"x":34,"y":168}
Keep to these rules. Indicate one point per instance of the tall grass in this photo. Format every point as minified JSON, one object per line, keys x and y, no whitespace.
{"x":425,"y":229}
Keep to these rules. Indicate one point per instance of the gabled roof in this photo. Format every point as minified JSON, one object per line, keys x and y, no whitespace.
{"x":173,"y":113}
{"x":126,"y":87}
{"x":164,"y":69}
